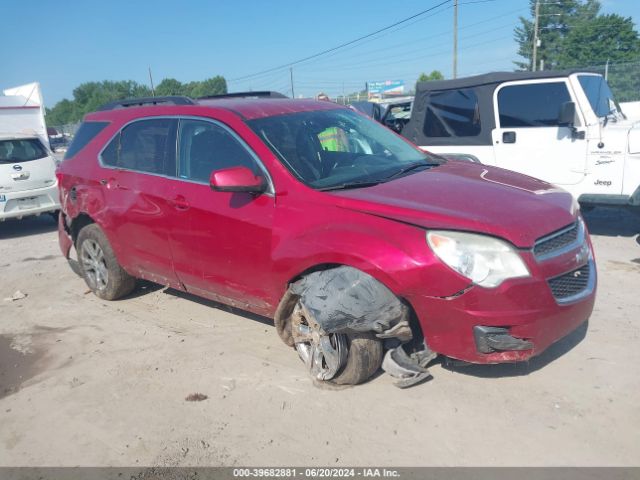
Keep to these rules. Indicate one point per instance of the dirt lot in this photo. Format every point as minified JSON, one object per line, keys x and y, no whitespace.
{"x":88,"y":382}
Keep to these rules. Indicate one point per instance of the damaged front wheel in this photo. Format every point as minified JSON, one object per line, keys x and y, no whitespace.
{"x":341,"y":358}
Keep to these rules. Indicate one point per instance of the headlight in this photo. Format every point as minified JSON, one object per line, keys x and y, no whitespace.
{"x":486,"y":261}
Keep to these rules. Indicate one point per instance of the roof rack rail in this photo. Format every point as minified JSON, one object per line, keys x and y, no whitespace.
{"x":256,"y":94}
{"x":147,"y":101}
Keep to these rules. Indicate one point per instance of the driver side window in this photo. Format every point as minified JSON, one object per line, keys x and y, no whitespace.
{"x":206,"y":146}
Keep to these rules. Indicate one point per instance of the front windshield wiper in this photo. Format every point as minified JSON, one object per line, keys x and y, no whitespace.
{"x":409,"y":168}
{"x":371,"y":183}
{"x":347,"y":185}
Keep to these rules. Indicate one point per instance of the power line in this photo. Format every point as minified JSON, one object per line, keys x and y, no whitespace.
{"x":375,"y":54}
{"x":287,"y":65}
{"x":408,"y":55}
{"x":327,"y":58}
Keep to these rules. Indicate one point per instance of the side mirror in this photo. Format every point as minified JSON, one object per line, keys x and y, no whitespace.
{"x":237,"y":179}
{"x":567,"y":114}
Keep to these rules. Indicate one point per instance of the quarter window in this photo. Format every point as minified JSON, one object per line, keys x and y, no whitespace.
{"x":535,"y":105}
{"x":452,"y":113}
{"x":86,"y":133}
{"x":145,"y":146}
{"x":206,"y":146}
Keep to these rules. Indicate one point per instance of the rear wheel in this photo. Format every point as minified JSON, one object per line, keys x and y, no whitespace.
{"x":340,"y":358}
{"x":100,"y":268}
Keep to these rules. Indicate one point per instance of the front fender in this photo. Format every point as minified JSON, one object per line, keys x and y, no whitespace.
{"x":394,"y":253}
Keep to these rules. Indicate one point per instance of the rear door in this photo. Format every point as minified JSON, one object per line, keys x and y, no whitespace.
{"x":222,"y":241}
{"x":139,"y":175}
{"x":529,"y":140}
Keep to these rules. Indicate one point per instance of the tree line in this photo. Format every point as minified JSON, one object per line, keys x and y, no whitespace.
{"x":89,"y":96}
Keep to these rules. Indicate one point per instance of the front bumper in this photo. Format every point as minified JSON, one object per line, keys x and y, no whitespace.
{"x":529,"y":317}
{"x":29,"y":202}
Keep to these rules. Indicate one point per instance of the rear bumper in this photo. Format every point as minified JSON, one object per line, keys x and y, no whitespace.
{"x":528,"y":317}
{"x":29,"y":202}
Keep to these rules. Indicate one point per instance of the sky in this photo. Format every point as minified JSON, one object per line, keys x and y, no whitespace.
{"x":63,"y":44}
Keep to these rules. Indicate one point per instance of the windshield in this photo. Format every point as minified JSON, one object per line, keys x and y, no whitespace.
{"x":21,"y":150}
{"x":329,"y":149}
{"x":599,"y":94}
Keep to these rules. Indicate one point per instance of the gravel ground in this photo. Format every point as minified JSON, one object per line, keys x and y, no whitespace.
{"x":89,"y":382}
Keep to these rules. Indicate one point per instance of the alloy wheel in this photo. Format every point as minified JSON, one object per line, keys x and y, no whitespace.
{"x":94,"y":265}
{"x":323,"y":353}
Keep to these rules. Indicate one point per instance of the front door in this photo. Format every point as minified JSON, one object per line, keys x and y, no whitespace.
{"x":527,"y":138}
{"x":221,"y":241}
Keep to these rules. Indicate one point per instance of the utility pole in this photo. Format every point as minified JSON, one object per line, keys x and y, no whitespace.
{"x":153,"y":92}
{"x":293,"y":95}
{"x":455,"y":38}
{"x":535,"y":37}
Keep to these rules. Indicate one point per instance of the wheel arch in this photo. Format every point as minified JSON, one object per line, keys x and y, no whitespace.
{"x":78,"y":223}
{"x":403,"y":310}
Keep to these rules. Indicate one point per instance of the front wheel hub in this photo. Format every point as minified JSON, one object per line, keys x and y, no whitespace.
{"x":323,"y":353}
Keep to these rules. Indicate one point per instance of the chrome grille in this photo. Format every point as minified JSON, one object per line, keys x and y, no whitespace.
{"x":557,"y":241}
{"x":570,"y":284}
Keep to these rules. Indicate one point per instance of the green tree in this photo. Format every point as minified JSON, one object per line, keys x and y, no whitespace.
{"x":606,"y":38}
{"x":89,"y":96}
{"x":434,"y":75}
{"x":169,"y":86}
{"x":211,"y":86}
{"x":555,"y":21}
{"x":60,"y":114}
{"x":573,"y":34}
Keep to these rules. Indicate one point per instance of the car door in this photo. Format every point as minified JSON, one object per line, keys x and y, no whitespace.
{"x":137,"y":178}
{"x":528,"y":138}
{"x":222,"y":248}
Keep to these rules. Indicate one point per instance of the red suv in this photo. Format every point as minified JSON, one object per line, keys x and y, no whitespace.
{"x":355,"y":241}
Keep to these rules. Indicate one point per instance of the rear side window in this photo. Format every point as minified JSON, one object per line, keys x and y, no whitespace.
{"x":21,"y":150}
{"x":535,"y":105}
{"x":145,"y":146}
{"x":453,"y":113}
{"x":86,"y":133}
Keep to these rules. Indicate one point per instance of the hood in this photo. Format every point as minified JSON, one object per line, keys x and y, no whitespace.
{"x":468,"y":197}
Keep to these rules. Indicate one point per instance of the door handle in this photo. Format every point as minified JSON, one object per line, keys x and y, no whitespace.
{"x":508,"y":137}
{"x":179,"y":203}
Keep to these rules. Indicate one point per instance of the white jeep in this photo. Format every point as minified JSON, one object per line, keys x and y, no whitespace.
{"x":560,"y":126}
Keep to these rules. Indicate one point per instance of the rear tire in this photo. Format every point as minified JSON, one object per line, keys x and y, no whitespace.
{"x":100,"y":268}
